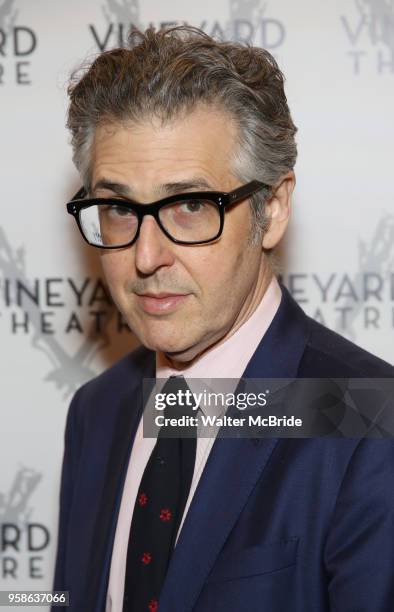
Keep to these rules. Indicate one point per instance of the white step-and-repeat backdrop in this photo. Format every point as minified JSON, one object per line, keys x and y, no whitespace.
{"x":57,"y":328}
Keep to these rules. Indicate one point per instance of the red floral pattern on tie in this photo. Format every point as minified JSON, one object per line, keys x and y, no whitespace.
{"x":153,"y":605}
{"x":146,"y":558}
{"x":142,"y":499}
{"x":165,"y":514}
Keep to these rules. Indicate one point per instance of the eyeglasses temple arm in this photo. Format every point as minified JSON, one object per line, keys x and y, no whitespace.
{"x":247,"y":190}
{"x":81,"y":193}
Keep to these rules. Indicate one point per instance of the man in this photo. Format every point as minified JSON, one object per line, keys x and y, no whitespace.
{"x":186,"y":149}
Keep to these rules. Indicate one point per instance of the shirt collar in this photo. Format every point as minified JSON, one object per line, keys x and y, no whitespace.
{"x":227,"y":360}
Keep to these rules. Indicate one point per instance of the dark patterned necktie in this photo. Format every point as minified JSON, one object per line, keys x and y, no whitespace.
{"x":159,"y":508}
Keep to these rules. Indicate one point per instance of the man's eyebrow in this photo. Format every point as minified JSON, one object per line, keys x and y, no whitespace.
{"x":175,"y":187}
{"x":179,"y":186}
{"x":117,"y":188}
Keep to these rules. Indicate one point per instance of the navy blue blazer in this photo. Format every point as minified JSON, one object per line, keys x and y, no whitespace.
{"x":289,"y":525}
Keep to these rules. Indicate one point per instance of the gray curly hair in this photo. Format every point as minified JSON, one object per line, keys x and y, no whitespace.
{"x":165,"y":72}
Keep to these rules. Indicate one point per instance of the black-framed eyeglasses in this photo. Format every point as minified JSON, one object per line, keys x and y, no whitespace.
{"x":185,"y":218}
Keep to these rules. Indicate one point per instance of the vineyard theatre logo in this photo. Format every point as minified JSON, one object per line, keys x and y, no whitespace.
{"x":369,"y":29}
{"x":23,"y":542}
{"x":248,"y":23}
{"x":348,"y":302}
{"x":18,"y":42}
{"x":50,"y":310}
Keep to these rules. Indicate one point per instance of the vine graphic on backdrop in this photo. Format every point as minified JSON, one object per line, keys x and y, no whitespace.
{"x":378,"y":15}
{"x":8,"y":15}
{"x":376,"y":257}
{"x":69,"y":371}
{"x":24,"y":542}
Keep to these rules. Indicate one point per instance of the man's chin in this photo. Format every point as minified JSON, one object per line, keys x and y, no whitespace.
{"x":176,"y":350}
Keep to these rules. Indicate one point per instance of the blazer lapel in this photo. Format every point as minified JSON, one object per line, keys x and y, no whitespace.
{"x":234,"y":465}
{"x":233,"y":468}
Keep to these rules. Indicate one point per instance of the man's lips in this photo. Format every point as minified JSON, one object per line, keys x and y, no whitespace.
{"x":161,"y":303}
{"x":164,"y":294}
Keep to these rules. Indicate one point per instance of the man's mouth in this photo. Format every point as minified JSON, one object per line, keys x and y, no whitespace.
{"x":161,"y":303}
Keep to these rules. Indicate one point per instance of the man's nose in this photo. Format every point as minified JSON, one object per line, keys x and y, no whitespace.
{"x":153,"y":248}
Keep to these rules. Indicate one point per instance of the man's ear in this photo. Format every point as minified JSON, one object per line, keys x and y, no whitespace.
{"x":277,"y":210}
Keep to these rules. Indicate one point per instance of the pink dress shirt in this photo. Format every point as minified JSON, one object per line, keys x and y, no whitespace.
{"x":227,"y":360}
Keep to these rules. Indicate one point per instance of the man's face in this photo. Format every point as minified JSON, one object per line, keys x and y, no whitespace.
{"x":178,"y":299}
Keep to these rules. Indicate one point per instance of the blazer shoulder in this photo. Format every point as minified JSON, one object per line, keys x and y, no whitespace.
{"x":327,"y":353}
{"x":108,"y":388}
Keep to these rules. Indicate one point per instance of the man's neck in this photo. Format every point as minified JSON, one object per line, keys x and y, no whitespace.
{"x":228,"y":357}
{"x":248,"y":307}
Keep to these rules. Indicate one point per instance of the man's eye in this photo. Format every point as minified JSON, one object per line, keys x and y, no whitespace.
{"x":192,"y":206}
{"x":114,"y":210}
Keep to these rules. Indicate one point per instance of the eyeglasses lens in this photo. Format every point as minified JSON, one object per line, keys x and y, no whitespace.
{"x":111,"y":225}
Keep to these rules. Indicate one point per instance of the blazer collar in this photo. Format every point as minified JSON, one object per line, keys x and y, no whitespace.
{"x":279,"y":353}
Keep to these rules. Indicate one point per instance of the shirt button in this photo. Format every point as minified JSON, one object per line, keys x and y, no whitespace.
{"x":161,"y":460}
